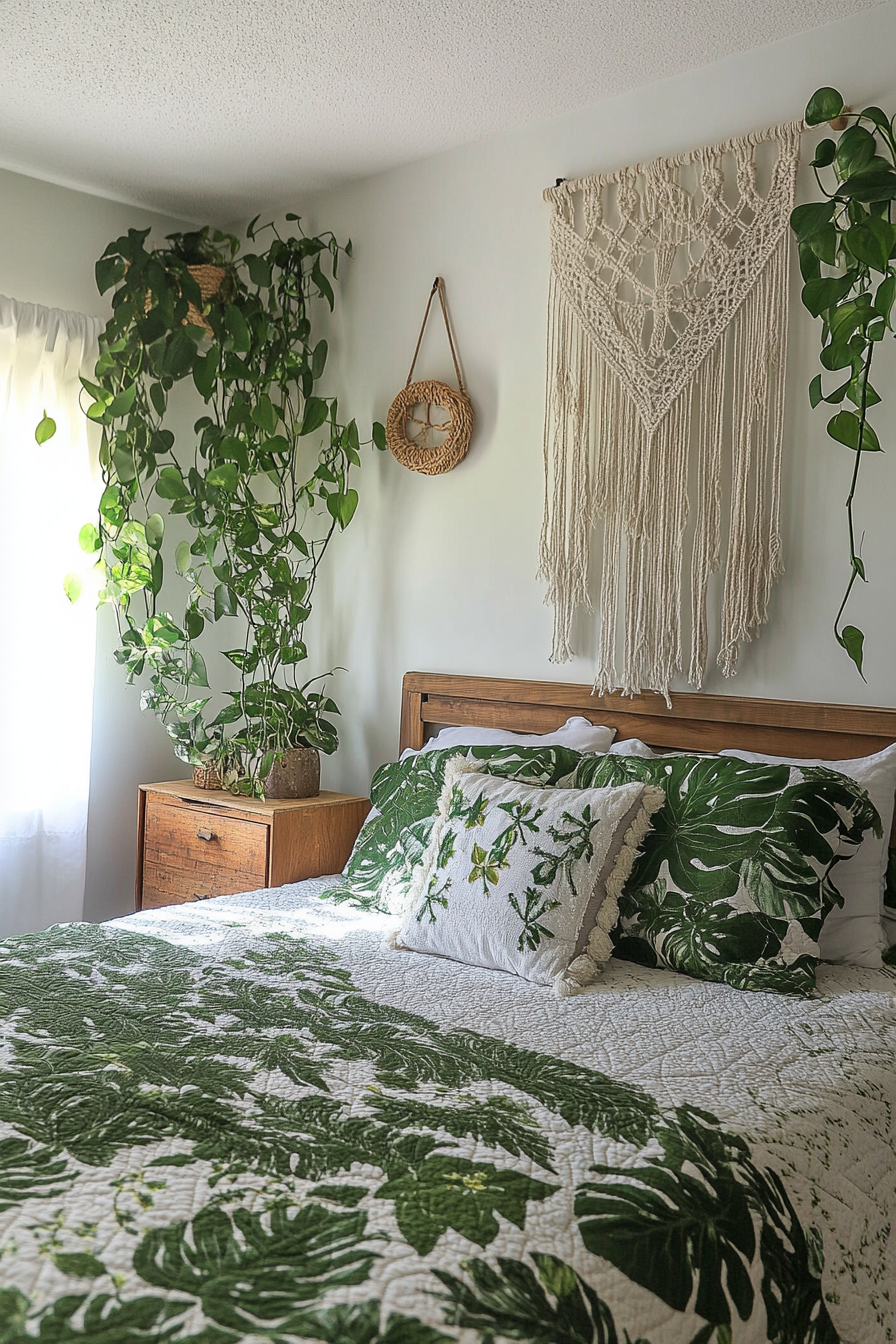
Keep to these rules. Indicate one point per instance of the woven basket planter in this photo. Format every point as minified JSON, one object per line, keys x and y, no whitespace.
{"x":214,"y":282}
{"x":435,"y":459}
{"x":206,"y":777}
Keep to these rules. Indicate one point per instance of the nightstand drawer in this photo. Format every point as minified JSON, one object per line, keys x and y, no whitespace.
{"x":164,"y":885}
{"x":203,"y":841}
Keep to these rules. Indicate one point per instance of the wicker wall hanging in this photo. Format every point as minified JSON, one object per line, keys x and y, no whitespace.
{"x":415,"y":439}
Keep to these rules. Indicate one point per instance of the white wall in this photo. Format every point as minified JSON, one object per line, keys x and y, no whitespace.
{"x":439,"y":573}
{"x":50,"y":238}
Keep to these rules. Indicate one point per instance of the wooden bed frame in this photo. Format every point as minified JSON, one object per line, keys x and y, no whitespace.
{"x":430,"y":700}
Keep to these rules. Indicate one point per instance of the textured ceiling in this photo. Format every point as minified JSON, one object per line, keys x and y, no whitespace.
{"x":212,"y":108}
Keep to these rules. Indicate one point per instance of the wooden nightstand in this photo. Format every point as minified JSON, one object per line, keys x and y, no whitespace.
{"x":194,"y":843}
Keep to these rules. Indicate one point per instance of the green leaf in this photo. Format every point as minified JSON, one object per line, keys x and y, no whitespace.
{"x":674,"y":1227}
{"x":379,"y":436}
{"x":872,"y":241}
{"x":183,"y":558}
{"x":855,"y":150}
{"x":824,"y":105}
{"x":257,"y":1274}
{"x":264,"y":414}
{"x":155,"y":530}
{"x":316,"y":412}
{"x":820,"y":295}
{"x":883,"y":299}
{"x":108,"y":272}
{"x":46,"y":429}
{"x":225,"y":601}
{"x":121,"y":405}
{"x":342,"y":506}
{"x":225,"y":477}
{"x":823,"y":245}
{"x":89,"y":539}
{"x":873,"y":185}
{"x":170,"y":484}
{"x":198,"y":673}
{"x":824,"y":154}
{"x":852,"y":640}
{"x":194,"y":623}
{"x":846,"y":427}
{"x":319,"y":359}
{"x":72,"y":586}
{"x":259,"y":271}
{"x":205,"y":371}
{"x":158,"y":397}
{"x":238,"y":328}
{"x":837,"y":355}
{"x":815,"y":393}
{"x":446,"y":1191}
{"x":79,"y":1264}
{"x":806,"y":220}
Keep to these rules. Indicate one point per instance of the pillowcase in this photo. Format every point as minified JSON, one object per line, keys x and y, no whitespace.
{"x":577,"y":733}
{"x":735,"y":881}
{"x":405,"y":796}
{"x":525,"y":879}
{"x":853,"y":935}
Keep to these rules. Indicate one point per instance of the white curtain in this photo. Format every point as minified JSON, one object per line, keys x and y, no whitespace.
{"x":47,"y":644}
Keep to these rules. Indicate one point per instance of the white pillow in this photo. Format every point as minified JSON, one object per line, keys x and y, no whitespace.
{"x":576,"y":733}
{"x":513,"y":871}
{"x":854,"y":934}
{"x":633,"y":746}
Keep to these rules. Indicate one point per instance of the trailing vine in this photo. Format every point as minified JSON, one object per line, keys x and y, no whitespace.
{"x":258,"y":509}
{"x":847,"y":250}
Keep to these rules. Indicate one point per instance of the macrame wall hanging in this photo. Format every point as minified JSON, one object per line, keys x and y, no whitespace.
{"x":418,"y":441}
{"x":667,"y":333}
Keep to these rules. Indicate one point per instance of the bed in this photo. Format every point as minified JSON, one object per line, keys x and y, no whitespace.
{"x":249,"y":1119}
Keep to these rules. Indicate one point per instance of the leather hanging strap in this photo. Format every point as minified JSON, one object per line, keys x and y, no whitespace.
{"x":438,"y":286}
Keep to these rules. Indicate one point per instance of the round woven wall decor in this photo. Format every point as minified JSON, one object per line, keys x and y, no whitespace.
{"x":413,"y":450}
{"x":416,"y":440}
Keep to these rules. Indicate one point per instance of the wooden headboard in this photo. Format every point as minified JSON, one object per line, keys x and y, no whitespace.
{"x":695,"y":722}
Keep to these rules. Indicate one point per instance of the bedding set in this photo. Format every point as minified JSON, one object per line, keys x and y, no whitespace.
{"x":422,"y":1101}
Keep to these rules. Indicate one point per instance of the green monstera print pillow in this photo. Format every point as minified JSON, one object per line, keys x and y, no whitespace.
{"x":737,"y":877}
{"x":406,"y":796}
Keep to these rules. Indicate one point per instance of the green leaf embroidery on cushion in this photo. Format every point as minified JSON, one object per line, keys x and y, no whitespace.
{"x":407,"y":794}
{"x":535,"y":906}
{"x":486,"y":866}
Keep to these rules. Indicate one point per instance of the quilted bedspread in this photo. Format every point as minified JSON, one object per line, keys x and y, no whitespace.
{"x":246,"y":1120}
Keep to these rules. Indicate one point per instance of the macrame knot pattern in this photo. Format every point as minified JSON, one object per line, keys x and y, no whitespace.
{"x":667,"y":329}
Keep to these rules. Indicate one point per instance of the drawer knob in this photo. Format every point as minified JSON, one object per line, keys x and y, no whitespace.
{"x":205,"y":835}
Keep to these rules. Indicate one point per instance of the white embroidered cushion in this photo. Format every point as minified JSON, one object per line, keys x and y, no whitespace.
{"x":526,"y":879}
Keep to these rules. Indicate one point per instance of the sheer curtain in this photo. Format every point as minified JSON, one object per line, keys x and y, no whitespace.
{"x":47,"y":644}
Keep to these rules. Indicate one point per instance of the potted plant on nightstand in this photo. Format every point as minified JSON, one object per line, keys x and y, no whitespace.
{"x":251,"y":505}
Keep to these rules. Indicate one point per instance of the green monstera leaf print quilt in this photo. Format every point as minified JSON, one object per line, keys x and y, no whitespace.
{"x":247,"y":1121}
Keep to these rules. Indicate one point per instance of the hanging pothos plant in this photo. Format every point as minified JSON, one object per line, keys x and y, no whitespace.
{"x":847,"y":248}
{"x":258,"y":508}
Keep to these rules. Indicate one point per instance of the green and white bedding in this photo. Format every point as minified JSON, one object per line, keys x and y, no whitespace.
{"x":245,"y":1120}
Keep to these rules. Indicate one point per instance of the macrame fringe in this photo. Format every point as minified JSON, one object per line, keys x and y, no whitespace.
{"x":619,"y":435}
{"x":586,"y":969}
